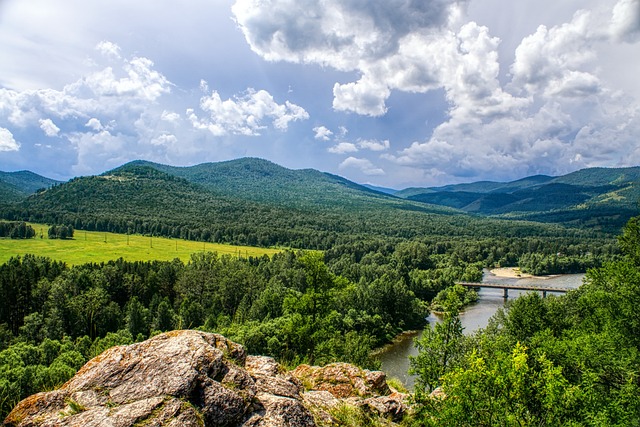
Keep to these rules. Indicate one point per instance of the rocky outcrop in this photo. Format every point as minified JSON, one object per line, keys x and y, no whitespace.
{"x":192,"y":378}
{"x":341,"y":383}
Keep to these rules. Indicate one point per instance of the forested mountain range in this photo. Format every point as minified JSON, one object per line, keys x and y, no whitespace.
{"x":594,"y":197}
{"x":250,"y":201}
{"x":15,"y":186}
{"x":254,"y":201}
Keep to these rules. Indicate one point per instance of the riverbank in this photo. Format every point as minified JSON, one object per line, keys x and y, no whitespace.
{"x":515,"y":273}
{"x":401,"y":337}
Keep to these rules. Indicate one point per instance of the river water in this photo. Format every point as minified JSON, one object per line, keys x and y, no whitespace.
{"x":395,"y":358}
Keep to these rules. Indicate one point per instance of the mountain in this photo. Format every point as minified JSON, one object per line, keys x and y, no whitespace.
{"x":262,"y":181}
{"x":15,"y":186}
{"x":604,"y":198}
{"x":249,"y":201}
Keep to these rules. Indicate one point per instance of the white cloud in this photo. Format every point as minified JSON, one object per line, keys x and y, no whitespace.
{"x":7,"y":143}
{"x":49,"y":128}
{"x":94,"y":124}
{"x":363,"y":165}
{"x":366,"y":97}
{"x":625,"y":21}
{"x":170,"y":116}
{"x":109,"y":49}
{"x":373,"y":144}
{"x":99,"y":113}
{"x":164,"y":139}
{"x":141,"y":82}
{"x":343,"y":148}
{"x":389,"y":43}
{"x":244,"y":114}
{"x":322,"y":133}
{"x":554,"y":116}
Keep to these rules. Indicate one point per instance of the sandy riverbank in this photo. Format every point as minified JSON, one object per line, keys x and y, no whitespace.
{"x":510,"y":273}
{"x":515,"y":273}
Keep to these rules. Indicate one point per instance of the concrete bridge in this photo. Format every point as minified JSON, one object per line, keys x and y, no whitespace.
{"x":505,"y":287}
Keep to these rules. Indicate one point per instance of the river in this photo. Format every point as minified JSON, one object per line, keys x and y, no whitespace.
{"x":395,"y":358}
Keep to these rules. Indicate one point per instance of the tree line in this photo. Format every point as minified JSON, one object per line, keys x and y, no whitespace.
{"x":16,"y":230}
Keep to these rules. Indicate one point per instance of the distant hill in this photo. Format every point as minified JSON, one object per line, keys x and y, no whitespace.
{"x":262,"y":181}
{"x":250,"y":201}
{"x":604,"y":198}
{"x":15,"y":186}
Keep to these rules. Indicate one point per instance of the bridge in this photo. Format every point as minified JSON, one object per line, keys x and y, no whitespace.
{"x":505,"y":287}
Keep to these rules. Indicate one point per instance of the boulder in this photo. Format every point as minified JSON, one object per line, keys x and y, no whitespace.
{"x":343,"y":380}
{"x":192,"y":378}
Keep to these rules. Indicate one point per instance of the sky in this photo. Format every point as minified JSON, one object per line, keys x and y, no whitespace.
{"x":395,"y":93}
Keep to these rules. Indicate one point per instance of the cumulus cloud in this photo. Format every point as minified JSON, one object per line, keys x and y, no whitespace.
{"x":244,"y":114}
{"x":94,"y":124}
{"x":109,"y":49}
{"x":555,"y":115}
{"x":322,"y":133}
{"x":49,"y":128}
{"x":343,"y":148}
{"x":390,"y":43}
{"x":7,"y":143}
{"x":363,"y":165}
{"x":625,"y":21}
{"x":95,"y":114}
{"x":164,"y":139}
{"x":170,"y":116}
{"x":373,"y":144}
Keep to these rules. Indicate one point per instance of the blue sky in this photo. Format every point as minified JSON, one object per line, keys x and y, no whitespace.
{"x":395,"y":93}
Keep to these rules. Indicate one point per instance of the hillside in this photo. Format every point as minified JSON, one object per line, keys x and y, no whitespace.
{"x":15,"y":186}
{"x":250,"y":202}
{"x":262,"y":181}
{"x":603,"y":198}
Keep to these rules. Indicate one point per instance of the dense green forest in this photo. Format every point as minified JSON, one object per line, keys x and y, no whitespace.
{"x":572,"y":360}
{"x":598,"y":198}
{"x":137,"y":198}
{"x":384,"y":263}
{"x":298,"y":307}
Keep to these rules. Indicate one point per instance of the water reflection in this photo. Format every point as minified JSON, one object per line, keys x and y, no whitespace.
{"x":395,"y":359}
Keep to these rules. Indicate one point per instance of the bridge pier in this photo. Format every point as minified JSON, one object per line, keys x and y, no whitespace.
{"x":544,"y":294}
{"x":505,"y":293}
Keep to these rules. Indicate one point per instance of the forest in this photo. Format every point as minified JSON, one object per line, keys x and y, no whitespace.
{"x":297,"y":306}
{"x":356,"y":268}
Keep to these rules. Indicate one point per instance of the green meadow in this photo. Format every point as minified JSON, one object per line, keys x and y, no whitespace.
{"x":93,"y":246}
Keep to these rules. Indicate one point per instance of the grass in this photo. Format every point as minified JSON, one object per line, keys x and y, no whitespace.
{"x":93,"y":246}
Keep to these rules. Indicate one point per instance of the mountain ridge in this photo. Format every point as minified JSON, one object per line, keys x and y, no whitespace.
{"x":598,"y":198}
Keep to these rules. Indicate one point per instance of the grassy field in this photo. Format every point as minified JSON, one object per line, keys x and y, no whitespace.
{"x":92,"y":246}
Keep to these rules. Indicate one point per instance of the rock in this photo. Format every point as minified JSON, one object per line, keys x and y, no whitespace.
{"x":339,"y":383}
{"x":343,"y":380}
{"x":192,"y":378}
{"x":278,"y":411}
{"x":438,"y":394}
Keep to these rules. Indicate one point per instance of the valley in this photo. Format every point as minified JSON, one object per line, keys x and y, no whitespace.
{"x":310,"y":268}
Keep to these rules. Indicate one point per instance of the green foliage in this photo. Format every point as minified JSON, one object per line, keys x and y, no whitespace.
{"x":458,"y":295}
{"x":16,"y":230}
{"x":439,"y":349}
{"x":353,"y":416}
{"x":570,"y":360}
{"x":60,"y":232}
